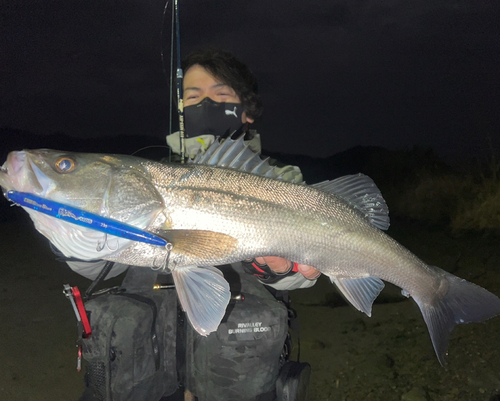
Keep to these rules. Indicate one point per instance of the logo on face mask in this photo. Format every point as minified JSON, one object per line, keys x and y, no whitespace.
{"x":212,"y":118}
{"x":231,"y":113}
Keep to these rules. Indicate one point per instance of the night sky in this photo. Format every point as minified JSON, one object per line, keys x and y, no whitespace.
{"x":333,"y":74}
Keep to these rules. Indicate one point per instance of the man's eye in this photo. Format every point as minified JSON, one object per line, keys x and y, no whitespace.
{"x":65,"y":165}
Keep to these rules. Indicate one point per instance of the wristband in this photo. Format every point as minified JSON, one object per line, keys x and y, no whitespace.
{"x":264,"y":273}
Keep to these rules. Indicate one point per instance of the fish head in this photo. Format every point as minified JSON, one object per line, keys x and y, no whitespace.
{"x":113,"y":186}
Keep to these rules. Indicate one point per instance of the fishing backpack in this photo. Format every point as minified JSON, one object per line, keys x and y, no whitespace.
{"x":249,"y":343}
{"x":130,"y":354}
{"x":142,"y":347}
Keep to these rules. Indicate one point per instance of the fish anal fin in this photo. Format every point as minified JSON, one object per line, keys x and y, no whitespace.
{"x":204,"y":295}
{"x":360,"y":292}
{"x":200,"y":243}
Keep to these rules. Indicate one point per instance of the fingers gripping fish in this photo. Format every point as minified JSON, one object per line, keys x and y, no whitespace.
{"x":229,"y":205}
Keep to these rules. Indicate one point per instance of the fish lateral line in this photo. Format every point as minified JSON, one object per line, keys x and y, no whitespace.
{"x":83,"y":218}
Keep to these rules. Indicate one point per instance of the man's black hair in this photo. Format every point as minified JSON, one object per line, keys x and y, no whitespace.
{"x":231,"y":72}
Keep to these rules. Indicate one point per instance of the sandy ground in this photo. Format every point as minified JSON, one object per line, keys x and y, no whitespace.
{"x":386,"y":357}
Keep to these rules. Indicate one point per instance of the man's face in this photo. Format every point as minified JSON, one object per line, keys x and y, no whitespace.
{"x":199,"y":84}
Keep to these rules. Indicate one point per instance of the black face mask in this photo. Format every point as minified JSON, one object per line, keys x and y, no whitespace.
{"x":212,"y":118}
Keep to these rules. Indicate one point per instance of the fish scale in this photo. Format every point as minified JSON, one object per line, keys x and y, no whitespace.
{"x":247,"y":214}
{"x":277,"y":206}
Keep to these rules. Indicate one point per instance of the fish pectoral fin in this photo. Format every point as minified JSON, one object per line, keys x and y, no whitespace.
{"x":204,"y":295}
{"x":360,"y":292}
{"x":200,"y":243}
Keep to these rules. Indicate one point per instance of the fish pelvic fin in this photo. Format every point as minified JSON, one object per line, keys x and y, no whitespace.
{"x":360,"y":292}
{"x":463,"y":302}
{"x":204,"y":295}
{"x":200,"y":243}
{"x":361,"y":193}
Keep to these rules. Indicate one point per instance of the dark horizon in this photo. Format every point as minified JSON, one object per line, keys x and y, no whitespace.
{"x":385,"y":166}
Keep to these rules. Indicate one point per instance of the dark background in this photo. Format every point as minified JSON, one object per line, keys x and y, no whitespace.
{"x":356,"y":83}
{"x":334,"y":74}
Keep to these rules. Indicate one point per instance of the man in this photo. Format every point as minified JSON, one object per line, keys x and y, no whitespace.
{"x":215,"y":84}
{"x":246,"y":358}
{"x":220,"y":99}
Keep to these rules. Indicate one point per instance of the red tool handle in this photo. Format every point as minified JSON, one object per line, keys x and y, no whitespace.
{"x":81,"y":310}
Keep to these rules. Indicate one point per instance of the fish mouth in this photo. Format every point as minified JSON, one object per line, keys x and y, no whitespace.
{"x":18,"y":174}
{"x":4,"y":178}
{"x":3,"y":173}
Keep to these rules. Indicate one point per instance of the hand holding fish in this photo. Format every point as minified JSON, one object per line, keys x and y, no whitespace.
{"x":281,"y":265}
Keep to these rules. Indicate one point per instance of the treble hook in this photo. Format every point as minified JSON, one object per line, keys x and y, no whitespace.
{"x":163,"y":267}
{"x":100,"y":247}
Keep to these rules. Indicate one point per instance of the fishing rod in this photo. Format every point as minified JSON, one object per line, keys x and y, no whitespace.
{"x":179,"y":78}
{"x":175,"y":42}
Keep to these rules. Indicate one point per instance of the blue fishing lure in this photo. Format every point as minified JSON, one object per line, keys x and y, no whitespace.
{"x":85,"y":219}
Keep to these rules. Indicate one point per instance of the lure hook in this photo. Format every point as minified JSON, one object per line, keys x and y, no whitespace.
{"x":163,"y":267}
{"x":100,"y":246}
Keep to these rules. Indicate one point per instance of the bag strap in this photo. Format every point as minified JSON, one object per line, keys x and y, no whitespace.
{"x":100,"y":277}
{"x":293,"y":322}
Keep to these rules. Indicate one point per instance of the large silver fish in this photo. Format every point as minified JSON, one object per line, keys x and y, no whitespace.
{"x":215,"y":212}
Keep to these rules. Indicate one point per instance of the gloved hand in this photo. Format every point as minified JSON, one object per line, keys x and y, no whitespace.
{"x":271,"y":269}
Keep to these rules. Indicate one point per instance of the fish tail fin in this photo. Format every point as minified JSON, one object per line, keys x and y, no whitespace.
{"x":463,"y":302}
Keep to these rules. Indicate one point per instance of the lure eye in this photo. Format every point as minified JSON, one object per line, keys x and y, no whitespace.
{"x":65,"y":165}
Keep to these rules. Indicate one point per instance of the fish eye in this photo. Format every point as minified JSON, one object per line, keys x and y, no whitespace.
{"x":65,"y":165}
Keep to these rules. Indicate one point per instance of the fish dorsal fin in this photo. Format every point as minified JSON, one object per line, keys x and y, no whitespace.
{"x":235,"y":153}
{"x":204,"y":295}
{"x":360,"y":292}
{"x":360,"y":192}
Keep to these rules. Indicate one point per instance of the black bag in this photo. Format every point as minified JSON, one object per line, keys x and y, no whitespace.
{"x":131,"y":353}
{"x":242,"y":359}
{"x":141,"y":348}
